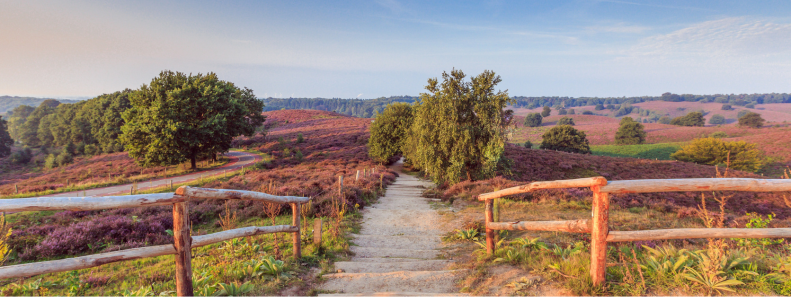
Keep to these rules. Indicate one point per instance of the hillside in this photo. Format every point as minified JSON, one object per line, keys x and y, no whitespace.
{"x":7,"y":103}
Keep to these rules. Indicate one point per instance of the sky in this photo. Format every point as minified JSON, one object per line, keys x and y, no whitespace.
{"x":369,"y":49}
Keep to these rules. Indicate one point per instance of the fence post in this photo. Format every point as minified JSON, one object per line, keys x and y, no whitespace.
{"x":317,"y":231}
{"x":16,"y":189}
{"x":357,"y":177}
{"x":183,"y":244}
{"x":489,"y":232}
{"x":599,"y":230}
{"x":297,"y":238}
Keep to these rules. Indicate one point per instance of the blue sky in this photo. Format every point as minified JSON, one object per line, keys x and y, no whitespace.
{"x":367,"y":49}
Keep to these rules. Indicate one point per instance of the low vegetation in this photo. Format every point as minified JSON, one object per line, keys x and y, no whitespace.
{"x":566,"y":139}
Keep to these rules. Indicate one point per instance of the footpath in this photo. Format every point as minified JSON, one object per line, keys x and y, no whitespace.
{"x":397,"y":251}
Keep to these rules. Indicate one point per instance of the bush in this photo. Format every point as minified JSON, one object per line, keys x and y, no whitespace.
{"x":752,"y":120}
{"x":692,"y":119}
{"x":49,"y":162}
{"x":533,"y":120}
{"x":727,"y":107}
{"x":546,"y":112}
{"x":566,"y":121}
{"x":528,"y":144}
{"x":21,"y":157}
{"x":664,"y":120}
{"x":713,"y":151}
{"x":300,"y":139}
{"x":742,"y":113}
{"x":64,"y":158}
{"x":599,"y":107}
{"x":389,"y":132}
{"x":630,"y":132}
{"x":91,"y":150}
{"x":567,"y":139}
{"x":750,"y":105}
{"x":717,"y":120}
{"x":563,"y":111}
{"x":571,"y":111}
{"x":70,"y":148}
{"x":80,"y":150}
{"x":298,"y":156}
{"x":587,"y":112}
{"x":718,"y":134}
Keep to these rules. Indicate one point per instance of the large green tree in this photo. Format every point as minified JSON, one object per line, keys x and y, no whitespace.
{"x":5,"y":139}
{"x":692,"y":119}
{"x":713,"y":151}
{"x":17,"y":120}
{"x":752,"y":120}
{"x":459,"y":129}
{"x":389,"y":132}
{"x":533,"y":119}
{"x":29,"y":131}
{"x":179,"y":117}
{"x":566,"y":139}
{"x":630,"y":132}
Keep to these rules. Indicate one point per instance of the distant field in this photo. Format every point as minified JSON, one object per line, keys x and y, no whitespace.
{"x":657,"y":151}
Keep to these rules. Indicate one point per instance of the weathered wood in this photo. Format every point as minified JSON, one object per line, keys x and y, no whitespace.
{"x":684,"y":233}
{"x":556,"y":184}
{"x":357,"y":177}
{"x":31,"y":269}
{"x":207,"y":193}
{"x":697,"y":184}
{"x":490,"y":245}
{"x":340,"y":186}
{"x":574,"y":226}
{"x":297,"y":239}
{"x":317,"y":231}
{"x":599,"y":230}
{"x":88,"y":203}
{"x":182,"y":243}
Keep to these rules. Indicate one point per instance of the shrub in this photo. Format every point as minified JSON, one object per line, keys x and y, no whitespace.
{"x":718,"y":134}
{"x":528,"y":144}
{"x":727,"y":107}
{"x":49,"y":162}
{"x":300,"y":139}
{"x":566,"y":121}
{"x":546,"y":112}
{"x":599,"y":107}
{"x":571,"y":111}
{"x":533,"y":120}
{"x":713,"y":151}
{"x":70,"y":148}
{"x":298,"y":156}
{"x":80,"y":150}
{"x":64,"y":158}
{"x":752,"y":120}
{"x":750,"y":105}
{"x":742,"y":113}
{"x":587,"y":112}
{"x":692,"y":119}
{"x":563,"y":111}
{"x":22,"y":156}
{"x":717,"y":120}
{"x":389,"y":132}
{"x":91,"y":150}
{"x":567,"y":139}
{"x":664,"y":120}
{"x":630,"y":132}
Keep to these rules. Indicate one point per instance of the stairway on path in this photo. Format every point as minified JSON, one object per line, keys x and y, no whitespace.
{"x":396,"y":251}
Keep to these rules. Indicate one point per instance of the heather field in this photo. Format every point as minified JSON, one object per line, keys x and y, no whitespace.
{"x":310,"y":150}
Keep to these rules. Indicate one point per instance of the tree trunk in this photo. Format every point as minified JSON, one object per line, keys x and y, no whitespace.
{"x":193,"y":161}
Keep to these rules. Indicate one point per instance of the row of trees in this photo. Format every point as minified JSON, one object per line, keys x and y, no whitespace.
{"x":734,"y":99}
{"x":364,"y":108}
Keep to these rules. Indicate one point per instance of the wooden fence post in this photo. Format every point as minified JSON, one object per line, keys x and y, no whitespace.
{"x":16,"y":189}
{"x":601,"y":215}
{"x":357,"y":177}
{"x":317,"y":231}
{"x":183,"y":244}
{"x":297,"y":238}
{"x":489,"y":232}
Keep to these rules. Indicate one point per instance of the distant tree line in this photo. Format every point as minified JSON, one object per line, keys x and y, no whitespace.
{"x":8,"y":103}
{"x":363,"y":108}
{"x":732,"y":99}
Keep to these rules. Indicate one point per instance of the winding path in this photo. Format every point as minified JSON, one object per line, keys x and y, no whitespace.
{"x":238,"y":160}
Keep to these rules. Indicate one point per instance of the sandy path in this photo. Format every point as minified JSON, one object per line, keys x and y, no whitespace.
{"x":238,"y":160}
{"x":397,"y":251}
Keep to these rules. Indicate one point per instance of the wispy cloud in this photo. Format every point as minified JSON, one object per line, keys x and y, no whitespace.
{"x":617,"y":28}
{"x":655,"y":5}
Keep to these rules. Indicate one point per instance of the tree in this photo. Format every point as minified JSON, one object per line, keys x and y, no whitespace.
{"x":566,"y":121}
{"x":178,"y":117}
{"x":29,"y":131}
{"x":599,"y":107}
{"x":717,"y":120}
{"x":571,"y":111}
{"x":630,"y":132}
{"x":563,"y":111}
{"x":565,"y":138}
{"x":714,"y":151}
{"x":546,"y":112}
{"x":667,"y":96}
{"x":533,"y":119}
{"x":692,"y":119}
{"x":727,"y":107}
{"x":752,"y":120}
{"x":6,"y":142}
{"x":665,"y":120}
{"x":17,"y":120}
{"x":389,"y":132}
{"x":459,"y":129}
{"x":587,"y":112}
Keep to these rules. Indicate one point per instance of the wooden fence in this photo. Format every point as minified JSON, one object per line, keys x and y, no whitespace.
{"x":183,"y":242}
{"x":598,"y":225}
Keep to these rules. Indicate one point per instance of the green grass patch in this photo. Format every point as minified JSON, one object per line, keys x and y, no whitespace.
{"x":660,"y":151}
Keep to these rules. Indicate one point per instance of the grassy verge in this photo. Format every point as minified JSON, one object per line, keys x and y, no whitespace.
{"x":557,"y":263}
{"x":659,"y":151}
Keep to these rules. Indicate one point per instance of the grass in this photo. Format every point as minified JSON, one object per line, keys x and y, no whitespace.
{"x":657,"y":151}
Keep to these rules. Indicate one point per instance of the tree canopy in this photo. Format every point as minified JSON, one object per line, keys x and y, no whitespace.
{"x":180,"y":117}
{"x":630,"y":132}
{"x":752,"y":120}
{"x":459,"y":127}
{"x":389,"y":132}
{"x":567,"y":139}
{"x":714,"y":151}
{"x":717,"y":119}
{"x":5,"y":139}
{"x":533,"y":119}
{"x":692,"y":119}
{"x":546,"y":112}
{"x":566,"y":121}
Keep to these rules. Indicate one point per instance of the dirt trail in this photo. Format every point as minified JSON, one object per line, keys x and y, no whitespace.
{"x":397,"y":251}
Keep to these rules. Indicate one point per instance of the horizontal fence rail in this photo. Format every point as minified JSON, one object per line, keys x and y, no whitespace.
{"x":598,"y":225}
{"x":183,"y":242}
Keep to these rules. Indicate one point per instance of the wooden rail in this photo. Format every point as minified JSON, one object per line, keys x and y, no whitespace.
{"x":598,"y":225}
{"x":183,"y":242}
